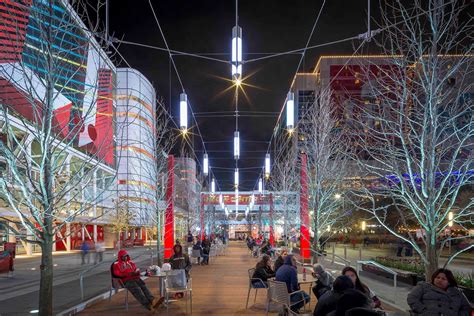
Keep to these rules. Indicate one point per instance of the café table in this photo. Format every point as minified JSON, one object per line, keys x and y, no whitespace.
{"x":308,"y":280}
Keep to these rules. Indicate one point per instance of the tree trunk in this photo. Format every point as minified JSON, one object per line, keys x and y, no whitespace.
{"x":46,"y":280}
{"x":431,"y":255}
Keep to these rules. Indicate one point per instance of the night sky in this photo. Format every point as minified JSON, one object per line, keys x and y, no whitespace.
{"x":206,"y":27}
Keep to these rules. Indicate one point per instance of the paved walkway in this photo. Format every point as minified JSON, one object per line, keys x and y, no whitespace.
{"x":218,"y":289}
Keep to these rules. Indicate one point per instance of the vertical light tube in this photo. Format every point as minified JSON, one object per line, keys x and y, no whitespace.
{"x":236,"y":178}
{"x":213,"y":186}
{"x":236,"y":52}
{"x":236,"y":201}
{"x":290,"y":111}
{"x":206,"y":164}
{"x":183,"y":111}
{"x":267,"y":166}
{"x":236,"y":145}
{"x":260,"y":185}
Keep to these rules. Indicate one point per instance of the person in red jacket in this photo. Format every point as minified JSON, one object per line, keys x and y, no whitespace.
{"x":127,"y":271}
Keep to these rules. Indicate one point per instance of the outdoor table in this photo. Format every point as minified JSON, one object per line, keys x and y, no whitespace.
{"x":162,"y":275}
{"x":309,"y":280}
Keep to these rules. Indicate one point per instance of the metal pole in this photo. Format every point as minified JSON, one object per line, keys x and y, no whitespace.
{"x":368,"y":21}
{"x":360,"y":253}
{"x":107,"y":22}
{"x":345,"y":252}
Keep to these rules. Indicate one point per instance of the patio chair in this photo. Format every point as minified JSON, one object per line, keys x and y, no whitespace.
{"x":213,"y":252}
{"x":175,"y":282}
{"x":117,"y":285}
{"x":252,"y":286}
{"x":196,"y":254}
{"x":278,"y":293}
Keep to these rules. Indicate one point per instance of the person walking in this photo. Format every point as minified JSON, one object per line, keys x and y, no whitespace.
{"x":85,"y":248}
{"x":440,"y":297}
{"x":125,"y":269}
{"x":99,"y":252}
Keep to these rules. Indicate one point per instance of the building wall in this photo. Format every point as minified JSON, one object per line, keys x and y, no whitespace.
{"x":136,"y":139}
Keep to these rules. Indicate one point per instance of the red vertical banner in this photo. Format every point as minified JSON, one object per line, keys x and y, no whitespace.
{"x":272,"y":237}
{"x":304,"y":216}
{"x":202,"y":216}
{"x":169,"y":214}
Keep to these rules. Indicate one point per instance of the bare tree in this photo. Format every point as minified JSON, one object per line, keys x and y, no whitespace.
{"x":327,"y":148}
{"x":418,"y":121}
{"x":48,"y":99}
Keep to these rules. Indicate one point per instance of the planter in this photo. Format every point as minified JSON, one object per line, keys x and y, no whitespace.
{"x":403,"y":276}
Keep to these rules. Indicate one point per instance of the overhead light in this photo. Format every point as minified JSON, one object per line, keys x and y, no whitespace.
{"x":183,"y":111}
{"x":220,"y":199}
{"x":267,"y":166}
{"x":450,"y":219}
{"x":236,"y":201}
{"x":290,"y":111}
{"x":213,"y":186}
{"x":206,"y":165}
{"x":236,"y":53}
{"x":236,"y":178}
{"x":260,"y":185}
{"x":236,"y":145}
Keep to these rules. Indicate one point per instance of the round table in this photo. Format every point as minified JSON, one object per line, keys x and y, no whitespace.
{"x":309,"y":280}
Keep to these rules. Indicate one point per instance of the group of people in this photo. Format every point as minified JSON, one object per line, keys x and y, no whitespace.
{"x":259,"y":246}
{"x":347,"y":293}
{"x":86,"y":249}
{"x":126,"y":270}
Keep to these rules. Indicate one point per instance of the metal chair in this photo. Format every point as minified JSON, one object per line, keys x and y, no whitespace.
{"x":196,"y":254}
{"x":175,"y":282}
{"x":117,"y":285}
{"x":213,"y":252}
{"x":278,"y":293}
{"x":251,"y":286}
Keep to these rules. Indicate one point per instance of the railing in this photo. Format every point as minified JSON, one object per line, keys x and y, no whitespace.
{"x":386,"y":269}
{"x":344,"y":260}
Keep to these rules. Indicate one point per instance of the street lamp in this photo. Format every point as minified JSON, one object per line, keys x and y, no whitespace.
{"x":236,"y":145}
{"x":237,"y":53}
{"x":260,"y":185}
{"x":206,"y":165}
{"x":267,"y":166}
{"x":290,"y":111}
{"x":450,"y":219}
{"x":183,"y":112}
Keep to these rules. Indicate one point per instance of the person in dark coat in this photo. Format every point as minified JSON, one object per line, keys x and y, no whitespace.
{"x":350,"y":299}
{"x":280,"y":260}
{"x":440,"y":297}
{"x":288,"y":274}
{"x":328,"y":301}
{"x":352,"y":273}
{"x":180,"y":260}
{"x":324,"y":282}
{"x":263,"y":271}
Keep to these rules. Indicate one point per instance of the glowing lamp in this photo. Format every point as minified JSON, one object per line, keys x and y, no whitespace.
{"x":236,"y":145}
{"x":290,"y":111}
{"x":236,"y":52}
{"x":450,"y":218}
{"x":260,"y":185}
{"x":213,"y":186}
{"x":363,"y":225}
{"x":236,"y":178}
{"x":206,"y":165}
{"x":183,"y":111}
{"x":267,"y":166}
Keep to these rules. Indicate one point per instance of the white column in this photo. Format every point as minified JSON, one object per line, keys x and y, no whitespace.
{"x":68,"y":236}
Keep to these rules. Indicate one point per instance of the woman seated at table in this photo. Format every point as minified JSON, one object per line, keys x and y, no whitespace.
{"x":279,"y":261}
{"x":324,"y":282}
{"x":352,"y":273}
{"x":263,"y":272}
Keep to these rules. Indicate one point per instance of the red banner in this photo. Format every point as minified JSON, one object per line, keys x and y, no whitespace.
{"x":213,"y":199}
{"x":169,"y":215}
{"x":304,"y":216}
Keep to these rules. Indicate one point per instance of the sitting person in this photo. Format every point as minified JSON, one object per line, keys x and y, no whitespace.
{"x":279,"y":261}
{"x":263,"y":272}
{"x":324,"y":282}
{"x":440,"y":297}
{"x":352,"y":273}
{"x":180,"y":260}
{"x":127,"y":271}
{"x":288,"y":274}
{"x":352,"y":299}
{"x":327,"y":303}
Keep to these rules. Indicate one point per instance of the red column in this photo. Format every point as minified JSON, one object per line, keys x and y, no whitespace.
{"x":169,"y":215}
{"x":272,"y":237}
{"x":304,"y":216}
{"x":202,"y":216}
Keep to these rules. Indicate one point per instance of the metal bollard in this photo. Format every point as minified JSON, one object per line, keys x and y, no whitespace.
{"x":360,"y":253}
{"x":333,"y":251}
{"x":345,"y":252}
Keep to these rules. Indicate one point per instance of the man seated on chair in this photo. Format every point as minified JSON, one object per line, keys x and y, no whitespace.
{"x":289,"y":274}
{"x":127,"y":271}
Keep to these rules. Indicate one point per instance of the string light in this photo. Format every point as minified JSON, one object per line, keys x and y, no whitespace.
{"x":183,"y":112}
{"x":206,"y":165}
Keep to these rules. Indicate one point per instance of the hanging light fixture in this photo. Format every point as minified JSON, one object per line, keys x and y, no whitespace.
{"x":267,"y":166}
{"x":183,"y":112}
{"x":290,"y":111}
{"x":221,"y":202}
{"x":260,"y":185}
{"x":236,"y":177}
{"x":236,"y":145}
{"x":206,"y":165}
{"x":237,"y":53}
{"x":252,"y":201}
{"x":213,"y":186}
